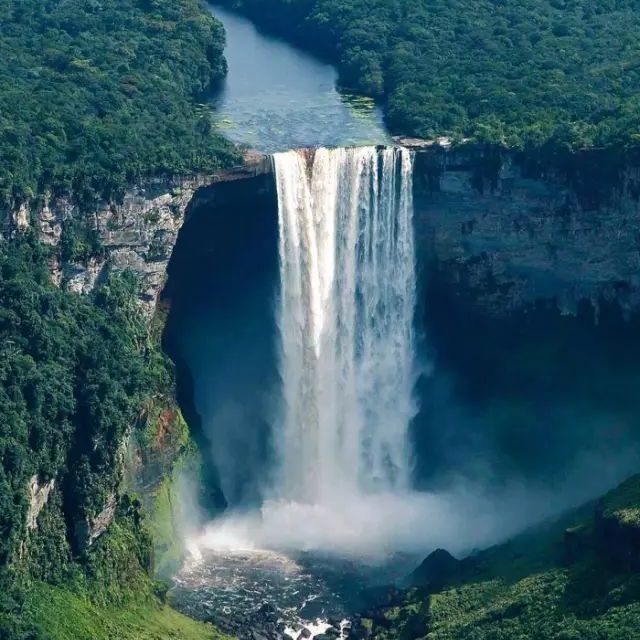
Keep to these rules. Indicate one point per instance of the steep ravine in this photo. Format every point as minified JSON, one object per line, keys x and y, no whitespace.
{"x":528,"y":302}
{"x":530,"y":375}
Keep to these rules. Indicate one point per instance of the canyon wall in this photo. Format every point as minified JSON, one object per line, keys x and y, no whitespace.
{"x":502,"y":230}
{"x":499,"y":234}
{"x":137,"y":233}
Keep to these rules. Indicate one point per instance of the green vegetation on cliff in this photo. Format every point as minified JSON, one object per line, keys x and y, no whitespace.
{"x":111,"y":596}
{"x":515,"y":73}
{"x":94,"y":95}
{"x":577,"y":578}
{"x":77,"y":374}
{"x":73,"y":373}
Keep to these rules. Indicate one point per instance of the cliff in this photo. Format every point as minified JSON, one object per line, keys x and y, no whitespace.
{"x":503,"y":229}
{"x":136,"y":234}
{"x":499,"y":234}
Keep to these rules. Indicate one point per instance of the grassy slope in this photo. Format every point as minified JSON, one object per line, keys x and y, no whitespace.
{"x":624,"y":503}
{"x":525,"y":589}
{"x":61,"y":615}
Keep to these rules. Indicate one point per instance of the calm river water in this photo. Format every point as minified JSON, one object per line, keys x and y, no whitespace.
{"x":277,"y":97}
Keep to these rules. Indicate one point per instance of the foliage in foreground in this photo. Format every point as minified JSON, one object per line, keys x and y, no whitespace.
{"x":61,"y":615}
{"x":537,"y":586}
{"x":113,"y":596}
{"x":511,"y":72}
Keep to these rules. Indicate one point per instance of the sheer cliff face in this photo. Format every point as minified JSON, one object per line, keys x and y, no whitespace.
{"x":504,"y":231}
{"x":138,"y":233}
{"x":499,"y":237}
{"x":531,"y":307}
{"x":524,"y":264}
{"x":499,"y":231}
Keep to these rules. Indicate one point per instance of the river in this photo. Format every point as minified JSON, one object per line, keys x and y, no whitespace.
{"x":276,"y":97}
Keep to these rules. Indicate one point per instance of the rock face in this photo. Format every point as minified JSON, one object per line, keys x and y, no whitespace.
{"x":435,"y":570}
{"x":38,"y":498}
{"x":138,"y":233}
{"x":88,"y":531}
{"x":503,"y":230}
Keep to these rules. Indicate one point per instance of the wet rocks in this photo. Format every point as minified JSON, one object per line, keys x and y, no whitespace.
{"x":263,"y":623}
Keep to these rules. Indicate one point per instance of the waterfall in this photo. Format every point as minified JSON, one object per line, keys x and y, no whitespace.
{"x":345,"y":317}
{"x":348,"y":365}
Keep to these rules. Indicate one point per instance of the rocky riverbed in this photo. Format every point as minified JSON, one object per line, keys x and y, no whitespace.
{"x":267,"y":595}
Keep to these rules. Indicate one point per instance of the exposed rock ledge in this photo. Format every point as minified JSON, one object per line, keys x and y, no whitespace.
{"x":88,"y":531}
{"x":138,"y":233}
{"x":38,"y":498}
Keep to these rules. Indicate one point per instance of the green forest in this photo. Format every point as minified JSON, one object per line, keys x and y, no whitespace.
{"x":74,"y":372}
{"x":519,"y":74}
{"x":96,"y":94}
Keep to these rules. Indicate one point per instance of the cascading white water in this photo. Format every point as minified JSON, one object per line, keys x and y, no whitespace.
{"x":345,"y":317}
{"x":347,"y":277}
{"x":348,"y":366}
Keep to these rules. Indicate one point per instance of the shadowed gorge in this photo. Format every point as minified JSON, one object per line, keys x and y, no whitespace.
{"x":498,"y":416}
{"x":221,"y":329}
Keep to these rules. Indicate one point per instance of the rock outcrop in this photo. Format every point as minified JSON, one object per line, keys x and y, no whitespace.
{"x":89,"y":530}
{"x":504,"y":229}
{"x":38,"y":498}
{"x":137,"y":234}
{"x":435,"y":570}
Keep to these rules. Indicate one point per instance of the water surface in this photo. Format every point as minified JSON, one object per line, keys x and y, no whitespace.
{"x":235,"y":588}
{"x":277,"y":97}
